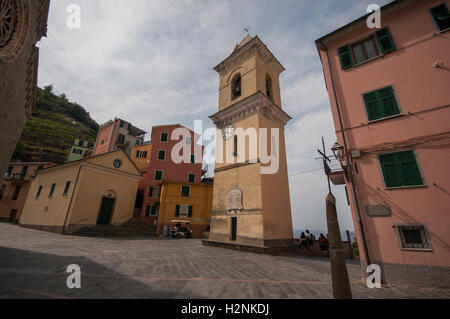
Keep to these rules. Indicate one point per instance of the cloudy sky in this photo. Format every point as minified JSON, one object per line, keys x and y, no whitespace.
{"x":150,"y":62}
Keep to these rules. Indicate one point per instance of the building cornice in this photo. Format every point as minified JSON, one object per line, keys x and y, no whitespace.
{"x":252,"y":47}
{"x":256,"y":103}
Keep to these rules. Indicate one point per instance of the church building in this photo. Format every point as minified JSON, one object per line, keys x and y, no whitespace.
{"x":251,"y":202}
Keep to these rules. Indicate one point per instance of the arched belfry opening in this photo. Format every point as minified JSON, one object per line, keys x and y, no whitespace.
{"x":236,"y":86}
{"x":269,"y":92}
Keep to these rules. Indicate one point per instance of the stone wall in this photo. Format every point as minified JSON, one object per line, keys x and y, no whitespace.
{"x":18,"y":70}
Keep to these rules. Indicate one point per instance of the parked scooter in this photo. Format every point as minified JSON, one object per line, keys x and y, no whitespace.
{"x":181,"y":231}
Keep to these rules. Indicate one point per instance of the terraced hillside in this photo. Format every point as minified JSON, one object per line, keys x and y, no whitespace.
{"x":48,"y":135}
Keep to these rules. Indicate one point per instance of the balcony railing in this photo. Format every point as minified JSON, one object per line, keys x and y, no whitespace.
{"x":15,"y":177}
{"x":334,"y":171}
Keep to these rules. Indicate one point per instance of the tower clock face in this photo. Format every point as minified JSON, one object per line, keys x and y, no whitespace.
{"x":228,"y":132}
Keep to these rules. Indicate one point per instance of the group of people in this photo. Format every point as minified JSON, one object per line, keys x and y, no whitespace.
{"x":307,"y":242}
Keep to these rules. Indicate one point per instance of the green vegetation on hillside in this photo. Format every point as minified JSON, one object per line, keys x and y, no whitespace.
{"x":49,"y":134}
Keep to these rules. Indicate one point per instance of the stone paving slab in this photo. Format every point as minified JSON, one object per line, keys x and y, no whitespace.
{"x":33,"y":264}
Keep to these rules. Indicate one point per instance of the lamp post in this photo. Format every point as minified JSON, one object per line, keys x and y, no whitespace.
{"x":339,"y":274}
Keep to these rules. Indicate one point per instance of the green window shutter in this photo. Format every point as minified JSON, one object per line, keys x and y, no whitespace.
{"x":345,"y":55}
{"x":191,"y":178}
{"x":400,"y":169}
{"x":158,"y":175}
{"x":190,"y":212}
{"x":150,"y":192}
{"x":385,"y":40}
{"x":410,"y":169}
{"x":162,"y":155}
{"x":381,"y":103}
{"x":177,"y":211}
{"x":441,"y":16}
{"x":147,"y":210}
{"x":391,"y":170}
{"x":373,"y":106}
{"x":388,"y":101}
{"x":185,"y":191}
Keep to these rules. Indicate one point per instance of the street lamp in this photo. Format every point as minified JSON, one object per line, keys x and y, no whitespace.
{"x":338,"y":151}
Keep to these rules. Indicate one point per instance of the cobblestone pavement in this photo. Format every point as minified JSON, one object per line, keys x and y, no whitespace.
{"x":33,"y":265}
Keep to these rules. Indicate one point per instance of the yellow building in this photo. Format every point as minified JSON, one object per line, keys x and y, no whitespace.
{"x":99,"y":190}
{"x":251,"y":203}
{"x":140,"y":155}
{"x":191,"y":202}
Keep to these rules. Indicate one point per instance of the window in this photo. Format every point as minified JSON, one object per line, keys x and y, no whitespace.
{"x":235,"y":146}
{"x":350,"y":55}
{"x":10,"y":169}
{"x":185,"y":191}
{"x":138,"y":142}
{"x":400,"y":169}
{"x":381,"y":104}
{"x":151,"y":210}
{"x":24,"y":171}
{"x":236,"y":87}
{"x":121,"y":139}
{"x":158,"y":175}
{"x":66,"y":188}
{"x":122,"y":124}
{"x":441,"y":17}
{"x":77,"y":151}
{"x":2,"y":191}
{"x":183,"y":211}
{"x":16,"y":192}
{"x":364,"y":50}
{"x":39,"y":192}
{"x":268,"y":86}
{"x":414,"y":236}
{"x":191,"y":178}
{"x":141,"y":154}
{"x":52,"y":190}
{"x":192,"y":159}
{"x":154,"y":192}
{"x":188,"y":140}
{"x":102,"y":142}
{"x":161,"y":155}
{"x":164,"y":137}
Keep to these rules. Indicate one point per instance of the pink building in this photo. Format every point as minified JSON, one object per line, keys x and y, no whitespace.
{"x":14,"y":188}
{"x":389,"y":91}
{"x":163,"y":167}
{"x":117,"y":134}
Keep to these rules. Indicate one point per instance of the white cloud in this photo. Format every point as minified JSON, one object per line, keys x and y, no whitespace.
{"x":150,"y":62}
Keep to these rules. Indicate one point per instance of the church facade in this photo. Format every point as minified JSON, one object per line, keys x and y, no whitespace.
{"x":251,"y":201}
{"x":22,"y":24}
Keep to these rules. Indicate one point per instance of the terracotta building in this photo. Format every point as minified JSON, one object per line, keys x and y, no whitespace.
{"x":162,"y":166}
{"x":99,"y":190}
{"x":184,"y":201}
{"x":23,"y":24}
{"x":251,"y":203}
{"x":390,"y":100}
{"x":14,"y":188}
{"x":117,"y":134}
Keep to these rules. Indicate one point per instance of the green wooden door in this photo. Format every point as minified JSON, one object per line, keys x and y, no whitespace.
{"x":104,"y":216}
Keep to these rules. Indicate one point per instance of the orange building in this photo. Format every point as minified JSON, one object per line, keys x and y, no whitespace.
{"x":183,"y":201}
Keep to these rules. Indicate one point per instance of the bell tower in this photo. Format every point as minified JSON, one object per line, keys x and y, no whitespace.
{"x":251,"y":203}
